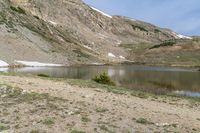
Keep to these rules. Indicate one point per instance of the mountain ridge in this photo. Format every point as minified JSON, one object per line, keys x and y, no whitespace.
{"x":71,"y":32}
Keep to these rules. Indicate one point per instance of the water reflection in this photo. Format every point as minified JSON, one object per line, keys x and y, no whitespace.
{"x":146,"y":78}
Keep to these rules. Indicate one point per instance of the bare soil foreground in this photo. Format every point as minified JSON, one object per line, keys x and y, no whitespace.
{"x":37,"y":105}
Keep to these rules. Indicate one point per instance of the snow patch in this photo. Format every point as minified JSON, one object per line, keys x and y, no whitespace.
{"x":182,"y":36}
{"x":3,"y":64}
{"x":37,"y":64}
{"x":53,"y":23}
{"x":162,"y":124}
{"x":103,"y":13}
{"x":122,"y":57}
{"x":97,"y":63}
{"x":111,"y":55}
{"x":87,"y":47}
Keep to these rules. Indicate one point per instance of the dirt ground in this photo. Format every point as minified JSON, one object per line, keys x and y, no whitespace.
{"x":75,"y":109}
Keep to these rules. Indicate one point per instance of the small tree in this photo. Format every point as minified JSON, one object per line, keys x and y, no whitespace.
{"x":103,"y":79}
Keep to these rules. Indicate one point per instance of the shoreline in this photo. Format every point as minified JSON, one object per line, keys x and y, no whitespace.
{"x":197,"y":68}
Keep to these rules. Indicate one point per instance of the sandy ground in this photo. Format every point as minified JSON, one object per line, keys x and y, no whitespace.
{"x":92,"y":110}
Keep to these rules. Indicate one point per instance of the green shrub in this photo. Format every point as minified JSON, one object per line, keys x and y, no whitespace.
{"x":103,"y":79}
{"x":143,"y":121}
{"x":156,"y":31}
{"x":135,"y":27}
{"x":43,"y":75}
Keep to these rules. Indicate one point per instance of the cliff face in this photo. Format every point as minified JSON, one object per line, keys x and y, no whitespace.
{"x":71,"y":32}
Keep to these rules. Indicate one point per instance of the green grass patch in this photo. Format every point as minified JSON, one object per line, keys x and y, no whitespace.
{"x":3,"y":127}
{"x":48,"y":121}
{"x":18,"y":9}
{"x":76,"y":131}
{"x":101,"y":110}
{"x":143,"y":121}
{"x":85,"y":119}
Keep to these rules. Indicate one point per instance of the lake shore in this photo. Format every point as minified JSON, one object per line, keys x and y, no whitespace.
{"x":50,"y":104}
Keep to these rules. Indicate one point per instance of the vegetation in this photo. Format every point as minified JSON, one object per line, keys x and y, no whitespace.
{"x":104,"y":79}
{"x":43,"y":75}
{"x":101,"y":110}
{"x":164,"y":44}
{"x":75,"y":131}
{"x":156,"y":31}
{"x":48,"y":121}
{"x":18,"y":9}
{"x":135,"y":27}
{"x":85,"y":119}
{"x":34,"y":131}
{"x":2,"y":127}
{"x":143,"y":121}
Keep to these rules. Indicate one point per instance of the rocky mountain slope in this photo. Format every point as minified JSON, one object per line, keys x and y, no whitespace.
{"x":71,"y":32}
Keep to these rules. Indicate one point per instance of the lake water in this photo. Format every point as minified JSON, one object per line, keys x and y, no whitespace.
{"x":159,"y":80}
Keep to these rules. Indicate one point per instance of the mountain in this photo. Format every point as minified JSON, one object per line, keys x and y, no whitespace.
{"x":71,"y":32}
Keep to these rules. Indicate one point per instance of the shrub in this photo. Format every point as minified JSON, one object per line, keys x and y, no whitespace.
{"x":103,"y":79}
{"x":42,"y":75}
{"x":135,"y":27}
{"x":143,"y":121}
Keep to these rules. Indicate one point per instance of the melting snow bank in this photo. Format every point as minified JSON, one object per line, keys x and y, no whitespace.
{"x":113,"y":56}
{"x":53,"y":23}
{"x":37,"y":64}
{"x":122,"y":57}
{"x":182,"y":36}
{"x":101,"y":12}
{"x":3,"y":64}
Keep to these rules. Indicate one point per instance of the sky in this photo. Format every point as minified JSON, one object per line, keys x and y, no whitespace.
{"x":182,"y":16}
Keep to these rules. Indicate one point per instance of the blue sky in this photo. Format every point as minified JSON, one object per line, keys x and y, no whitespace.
{"x":182,"y":16}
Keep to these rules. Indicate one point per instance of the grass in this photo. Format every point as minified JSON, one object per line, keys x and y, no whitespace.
{"x":18,"y":9}
{"x":3,"y":127}
{"x":76,"y":131}
{"x":104,"y":128}
{"x":101,"y":110}
{"x":143,"y":121}
{"x":34,"y":131}
{"x":20,"y":96}
{"x":48,"y":121}
{"x":85,"y":119}
{"x":164,"y":44}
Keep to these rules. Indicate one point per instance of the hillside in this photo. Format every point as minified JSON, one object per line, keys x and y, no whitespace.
{"x":71,"y":32}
